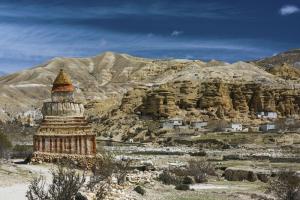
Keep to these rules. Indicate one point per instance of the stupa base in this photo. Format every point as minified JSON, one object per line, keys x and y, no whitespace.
{"x":81,"y":161}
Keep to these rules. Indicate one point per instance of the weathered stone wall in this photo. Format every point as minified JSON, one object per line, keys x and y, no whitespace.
{"x":81,"y":161}
{"x":62,"y":97}
{"x":63,"y":109}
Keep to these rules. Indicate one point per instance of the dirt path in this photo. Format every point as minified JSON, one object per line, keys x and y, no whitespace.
{"x":15,"y":179}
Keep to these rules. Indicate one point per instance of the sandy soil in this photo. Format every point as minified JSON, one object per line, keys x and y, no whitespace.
{"x":15,"y":179}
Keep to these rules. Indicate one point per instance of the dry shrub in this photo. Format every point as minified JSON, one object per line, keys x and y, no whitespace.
{"x":102,"y":189}
{"x":169,"y":178}
{"x":182,"y":187}
{"x":286,"y":186}
{"x":65,"y":184}
{"x":122,"y":169}
{"x":200,"y":169}
{"x":103,"y":170}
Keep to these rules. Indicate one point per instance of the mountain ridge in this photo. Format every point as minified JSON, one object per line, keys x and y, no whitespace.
{"x":101,"y":81}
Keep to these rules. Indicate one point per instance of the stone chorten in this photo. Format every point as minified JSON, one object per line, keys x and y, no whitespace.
{"x":64,"y":131}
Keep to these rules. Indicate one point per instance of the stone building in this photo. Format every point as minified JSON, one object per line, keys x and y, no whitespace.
{"x":64,"y":131}
{"x":171,"y":123}
{"x":268,"y":127}
{"x":267,"y":115}
{"x":199,"y":124}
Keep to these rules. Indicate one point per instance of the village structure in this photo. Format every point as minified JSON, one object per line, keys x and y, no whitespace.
{"x":182,"y":125}
{"x":64,"y":131}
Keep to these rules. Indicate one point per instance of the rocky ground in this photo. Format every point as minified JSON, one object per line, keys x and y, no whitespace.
{"x":233,"y":166}
{"x":15,"y":180}
{"x":235,"y":156}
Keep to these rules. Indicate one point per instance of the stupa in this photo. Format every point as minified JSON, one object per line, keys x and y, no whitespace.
{"x":64,"y":131}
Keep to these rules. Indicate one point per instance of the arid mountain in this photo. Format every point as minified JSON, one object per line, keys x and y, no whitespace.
{"x":104,"y":79}
{"x":285,"y":65}
{"x":117,"y":89}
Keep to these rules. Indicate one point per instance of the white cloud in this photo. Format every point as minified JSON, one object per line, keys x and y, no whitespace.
{"x":176,"y":33}
{"x":288,"y":10}
{"x":103,"y":42}
{"x":150,"y":35}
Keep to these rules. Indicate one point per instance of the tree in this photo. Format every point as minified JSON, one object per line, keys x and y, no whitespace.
{"x":5,"y":145}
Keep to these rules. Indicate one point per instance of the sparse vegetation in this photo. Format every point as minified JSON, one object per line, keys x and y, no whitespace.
{"x":286,"y":186}
{"x":182,"y":187}
{"x":200,"y":169}
{"x":217,"y":125}
{"x":197,"y":170}
{"x":169,"y":178}
{"x":103,"y":170}
{"x":5,"y":145}
{"x":140,"y":190}
{"x":65,"y":184}
{"x":21,"y":151}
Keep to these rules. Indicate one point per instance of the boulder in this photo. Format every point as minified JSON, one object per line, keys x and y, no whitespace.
{"x":201,"y":178}
{"x":188,"y":180}
{"x":140,"y":190}
{"x":263,"y":177}
{"x":182,"y":187}
{"x":296,"y":195}
{"x":236,"y":174}
{"x":80,"y":196}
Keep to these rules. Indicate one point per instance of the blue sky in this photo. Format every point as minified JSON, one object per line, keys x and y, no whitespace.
{"x":34,"y":31}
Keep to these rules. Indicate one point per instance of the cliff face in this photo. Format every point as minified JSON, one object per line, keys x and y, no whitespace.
{"x":141,"y":107}
{"x":215,"y":100}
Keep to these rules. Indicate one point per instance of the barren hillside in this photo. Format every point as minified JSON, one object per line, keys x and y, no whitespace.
{"x":117,"y":88}
{"x":285,"y":65}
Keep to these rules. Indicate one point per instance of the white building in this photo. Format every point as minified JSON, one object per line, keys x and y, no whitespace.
{"x":176,"y":121}
{"x":172,"y":123}
{"x":198,"y":124}
{"x":267,"y":115}
{"x":268,"y":127}
{"x":234,"y":127}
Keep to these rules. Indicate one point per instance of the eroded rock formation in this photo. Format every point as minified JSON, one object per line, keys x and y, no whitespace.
{"x":229,"y":100}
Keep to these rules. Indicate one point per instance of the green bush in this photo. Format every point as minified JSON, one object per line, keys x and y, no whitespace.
{"x":21,"y":151}
{"x":182,"y":187}
{"x":140,"y":190}
{"x":5,"y":145}
{"x":188,"y":180}
{"x":169,"y":178}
